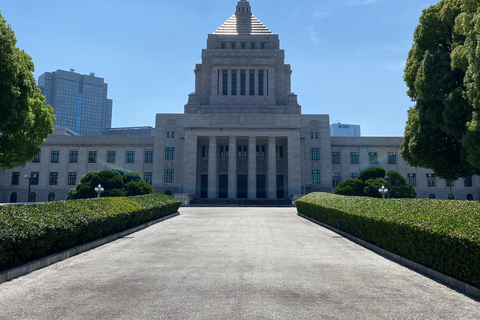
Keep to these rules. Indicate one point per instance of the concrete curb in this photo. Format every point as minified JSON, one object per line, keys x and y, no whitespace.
{"x":54,"y":258}
{"x":458,"y":285}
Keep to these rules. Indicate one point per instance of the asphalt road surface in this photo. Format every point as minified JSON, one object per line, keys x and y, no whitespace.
{"x":231,"y":263}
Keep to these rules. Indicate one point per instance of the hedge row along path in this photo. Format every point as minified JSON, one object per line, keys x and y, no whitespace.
{"x":231,"y":263}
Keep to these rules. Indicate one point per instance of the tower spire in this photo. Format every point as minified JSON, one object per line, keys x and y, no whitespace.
{"x":243,"y":8}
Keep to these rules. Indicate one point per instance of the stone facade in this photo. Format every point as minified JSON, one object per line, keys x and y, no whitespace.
{"x":242,"y":135}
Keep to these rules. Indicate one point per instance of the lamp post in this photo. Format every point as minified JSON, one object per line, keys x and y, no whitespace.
{"x":383,"y":191}
{"x":29,"y":184}
{"x":99,"y":189}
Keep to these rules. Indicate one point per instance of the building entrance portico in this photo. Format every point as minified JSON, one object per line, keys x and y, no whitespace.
{"x":233,"y":165}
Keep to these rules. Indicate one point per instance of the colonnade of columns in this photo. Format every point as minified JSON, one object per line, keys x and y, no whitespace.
{"x":260,"y":83}
{"x":291,"y":176}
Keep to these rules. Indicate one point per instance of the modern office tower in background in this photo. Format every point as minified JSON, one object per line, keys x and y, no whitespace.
{"x":344,"y":130}
{"x":79,"y":101}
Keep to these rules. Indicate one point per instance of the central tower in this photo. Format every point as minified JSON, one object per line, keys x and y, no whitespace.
{"x":243,"y":71}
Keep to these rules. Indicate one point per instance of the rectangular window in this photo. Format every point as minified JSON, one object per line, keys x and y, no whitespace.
{"x":148,"y":156}
{"x":392,"y":158}
{"x":226,"y":151}
{"x":353,"y":157}
{"x":73,"y":157}
{"x":168,"y":176}
{"x":15,"y":178}
{"x":53,"y":179}
{"x":260,"y":82}
{"x":262,"y":152}
{"x":234,"y":82}
{"x":372,"y":157}
{"x":243,"y":45}
{"x":335,"y":179}
{"x":450,"y":183}
{"x":315,"y":176}
{"x":72,"y":178}
{"x":316,"y":135}
{"x":412,"y":179}
{"x":468,"y":181}
{"x":280,"y":152}
{"x":335,"y":157}
{"x":257,"y":153}
{"x":233,"y":45}
{"x":239,"y":148}
{"x":314,"y":153}
{"x":245,"y":153}
{"x":168,"y":134}
{"x":36,"y":159}
{"x":147,"y":177}
{"x":54,"y":155}
{"x":172,"y":134}
{"x":34,"y":178}
{"x":92,"y":156}
{"x":204,"y":151}
{"x":225,"y":82}
{"x":169,"y":153}
{"x":111,"y":155}
{"x":430,"y":180}
{"x":263,"y":45}
{"x":251,"y":82}
{"x":353,"y":175}
{"x":130,"y":157}
{"x":242,"y":82}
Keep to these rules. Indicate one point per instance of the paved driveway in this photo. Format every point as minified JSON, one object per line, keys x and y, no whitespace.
{"x":231,"y":263}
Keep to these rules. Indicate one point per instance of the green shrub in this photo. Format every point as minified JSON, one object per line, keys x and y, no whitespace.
{"x":439,"y":234}
{"x":371,"y":173}
{"x":137,"y":187}
{"x":29,"y":232}
{"x":398,"y":186}
{"x":350,"y":187}
{"x":371,"y":187}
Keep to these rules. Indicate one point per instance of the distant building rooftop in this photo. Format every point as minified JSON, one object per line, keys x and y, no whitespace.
{"x":130,"y":131}
{"x":344,"y":130}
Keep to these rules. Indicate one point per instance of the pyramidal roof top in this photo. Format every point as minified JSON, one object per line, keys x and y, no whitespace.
{"x":243,"y":22}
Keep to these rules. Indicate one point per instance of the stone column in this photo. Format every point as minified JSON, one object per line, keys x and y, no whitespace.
{"x":271,"y":81}
{"x":220,"y":82}
{"x":232,"y":168}
{"x":293,"y":154}
{"x":272,"y":169}
{"x":238,"y":82}
{"x":212,"y":168}
{"x":190,"y":164}
{"x":252,"y":168}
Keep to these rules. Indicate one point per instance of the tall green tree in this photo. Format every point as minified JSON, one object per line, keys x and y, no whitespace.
{"x":436,"y":134}
{"x":24,"y":121}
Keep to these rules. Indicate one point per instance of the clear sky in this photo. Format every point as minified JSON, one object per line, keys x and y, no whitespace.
{"x":347,"y":56}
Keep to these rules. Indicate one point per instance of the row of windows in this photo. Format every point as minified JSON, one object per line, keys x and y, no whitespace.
{"x":243,"y":45}
{"x":71,"y":178}
{"x":372,"y":158}
{"x":92,"y":157}
{"x":246,"y":77}
{"x":242,"y":151}
{"x":411,"y":179}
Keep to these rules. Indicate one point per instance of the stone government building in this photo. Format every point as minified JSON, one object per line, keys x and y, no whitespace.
{"x":242,"y":136}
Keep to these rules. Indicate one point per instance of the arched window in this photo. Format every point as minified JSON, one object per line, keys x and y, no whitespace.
{"x":432,"y":196}
{"x":51,"y":196}
{"x":32,"y":197}
{"x":13,"y":197}
{"x":470,"y":197}
{"x":168,"y":192}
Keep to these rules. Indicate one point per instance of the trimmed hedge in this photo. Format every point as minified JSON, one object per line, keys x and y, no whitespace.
{"x":30,"y":232}
{"x":440,"y":234}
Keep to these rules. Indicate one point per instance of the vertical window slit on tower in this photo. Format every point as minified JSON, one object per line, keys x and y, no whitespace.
{"x":234,"y":82}
{"x":242,"y":82}
{"x":260,"y":82}
{"x":252,"y":82}
{"x":225,"y":82}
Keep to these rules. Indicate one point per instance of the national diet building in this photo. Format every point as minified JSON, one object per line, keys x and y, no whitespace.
{"x":242,"y":136}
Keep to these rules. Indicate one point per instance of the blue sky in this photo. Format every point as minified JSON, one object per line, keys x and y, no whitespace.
{"x":347,"y":56}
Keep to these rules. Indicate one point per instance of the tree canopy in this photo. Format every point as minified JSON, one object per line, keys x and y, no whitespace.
{"x":116,"y":183}
{"x":24,"y":121}
{"x":443,"y":77}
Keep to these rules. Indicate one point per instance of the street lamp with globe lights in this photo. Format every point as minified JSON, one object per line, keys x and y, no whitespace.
{"x":99,"y":189}
{"x":383,"y":191}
